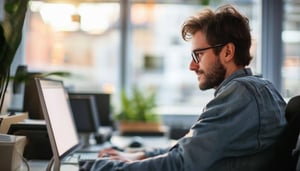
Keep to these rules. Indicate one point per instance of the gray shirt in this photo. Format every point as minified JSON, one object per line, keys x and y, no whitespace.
{"x":236,"y":131}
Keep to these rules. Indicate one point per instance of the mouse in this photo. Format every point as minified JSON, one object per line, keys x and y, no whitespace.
{"x":136,"y":142}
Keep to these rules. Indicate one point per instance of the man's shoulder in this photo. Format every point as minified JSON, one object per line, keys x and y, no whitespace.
{"x":248,"y":83}
{"x":251,"y":80}
{"x":240,"y":85}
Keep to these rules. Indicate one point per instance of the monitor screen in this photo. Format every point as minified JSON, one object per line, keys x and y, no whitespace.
{"x":103,"y":106}
{"x":58,"y":116}
{"x":85,"y":113}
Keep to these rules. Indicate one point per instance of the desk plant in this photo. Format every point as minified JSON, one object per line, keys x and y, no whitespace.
{"x":10,"y":38}
{"x":138,"y":112}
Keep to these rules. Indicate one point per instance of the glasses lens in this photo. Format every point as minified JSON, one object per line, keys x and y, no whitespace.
{"x":195,"y":53}
{"x":195,"y":58}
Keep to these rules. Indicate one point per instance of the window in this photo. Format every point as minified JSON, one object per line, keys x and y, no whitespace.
{"x":85,"y":40}
{"x":160,"y":58}
{"x":291,"y":44}
{"x":82,"y":39}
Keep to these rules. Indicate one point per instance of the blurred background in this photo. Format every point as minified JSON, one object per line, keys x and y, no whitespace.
{"x":112,"y":45}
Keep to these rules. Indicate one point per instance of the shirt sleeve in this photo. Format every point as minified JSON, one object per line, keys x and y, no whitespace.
{"x":218,"y":132}
{"x":155,"y":152}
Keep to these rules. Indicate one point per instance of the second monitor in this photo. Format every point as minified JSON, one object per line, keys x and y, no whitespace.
{"x":85,"y":115}
{"x":102,"y":101}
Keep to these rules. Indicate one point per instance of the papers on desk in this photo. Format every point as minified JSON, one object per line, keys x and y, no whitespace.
{"x":5,"y":138}
{"x":11,"y":148}
{"x":34,"y":121}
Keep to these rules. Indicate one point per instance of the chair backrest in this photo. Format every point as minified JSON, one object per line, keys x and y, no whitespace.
{"x":297,"y":154}
{"x":292,"y":108}
{"x":287,"y":154}
{"x":292,"y":114}
{"x":293,"y":118}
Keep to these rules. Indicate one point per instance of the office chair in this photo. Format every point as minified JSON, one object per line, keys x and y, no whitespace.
{"x":297,"y":154}
{"x":293,"y":117}
{"x":287,"y":153}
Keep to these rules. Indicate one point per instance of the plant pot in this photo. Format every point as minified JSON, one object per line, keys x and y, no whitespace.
{"x":127,"y":127}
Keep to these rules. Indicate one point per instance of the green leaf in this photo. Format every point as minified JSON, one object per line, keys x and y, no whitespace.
{"x":138,"y":107}
{"x":10,"y":38}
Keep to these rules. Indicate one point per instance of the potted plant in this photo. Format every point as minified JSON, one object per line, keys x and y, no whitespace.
{"x":10,"y":38}
{"x":138,"y":113}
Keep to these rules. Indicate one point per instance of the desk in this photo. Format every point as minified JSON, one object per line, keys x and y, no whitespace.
{"x":119,"y":141}
{"x":41,"y":165}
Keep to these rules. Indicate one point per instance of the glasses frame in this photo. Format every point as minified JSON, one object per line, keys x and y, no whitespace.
{"x":195,"y":56}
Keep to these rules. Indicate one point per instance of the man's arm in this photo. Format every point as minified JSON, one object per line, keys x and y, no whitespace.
{"x":212,"y":137}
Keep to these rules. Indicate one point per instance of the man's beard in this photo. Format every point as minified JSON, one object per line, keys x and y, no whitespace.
{"x":214,"y":77}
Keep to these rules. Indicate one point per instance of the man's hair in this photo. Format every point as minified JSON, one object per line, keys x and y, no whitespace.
{"x":225,"y":25}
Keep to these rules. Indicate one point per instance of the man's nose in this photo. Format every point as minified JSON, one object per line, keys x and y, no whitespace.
{"x":194,"y":66}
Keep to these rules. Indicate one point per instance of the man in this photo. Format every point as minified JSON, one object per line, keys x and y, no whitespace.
{"x":239,"y":127}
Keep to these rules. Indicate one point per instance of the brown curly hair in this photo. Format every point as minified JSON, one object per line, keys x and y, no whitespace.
{"x":223,"y":26}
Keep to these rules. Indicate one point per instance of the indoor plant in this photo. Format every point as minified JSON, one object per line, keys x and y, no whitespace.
{"x":138,"y":112}
{"x":10,"y":38}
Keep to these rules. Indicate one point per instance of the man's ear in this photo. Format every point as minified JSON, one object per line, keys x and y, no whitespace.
{"x":229,"y":51}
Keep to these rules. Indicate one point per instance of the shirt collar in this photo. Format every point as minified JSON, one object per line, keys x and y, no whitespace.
{"x":239,"y":73}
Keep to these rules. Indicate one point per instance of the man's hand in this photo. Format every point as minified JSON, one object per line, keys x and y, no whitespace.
{"x":123,"y":156}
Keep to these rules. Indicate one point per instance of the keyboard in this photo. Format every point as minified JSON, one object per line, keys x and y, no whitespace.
{"x":86,"y":155}
{"x":78,"y":156}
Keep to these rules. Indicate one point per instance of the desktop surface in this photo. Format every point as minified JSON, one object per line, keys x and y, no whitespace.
{"x":40,"y":165}
{"x":116,"y":141}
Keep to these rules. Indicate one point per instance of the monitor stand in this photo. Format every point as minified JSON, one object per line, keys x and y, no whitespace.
{"x":85,"y":139}
{"x":55,"y":163}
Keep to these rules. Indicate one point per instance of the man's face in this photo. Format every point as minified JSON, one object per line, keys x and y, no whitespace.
{"x":210,"y":71}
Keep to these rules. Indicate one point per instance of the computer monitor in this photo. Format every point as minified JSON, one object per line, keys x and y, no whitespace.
{"x":58,"y":117}
{"x":31,"y":103}
{"x":103,"y":107}
{"x":85,"y":115}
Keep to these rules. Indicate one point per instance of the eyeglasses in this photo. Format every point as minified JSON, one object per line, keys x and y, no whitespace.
{"x":195,"y":53}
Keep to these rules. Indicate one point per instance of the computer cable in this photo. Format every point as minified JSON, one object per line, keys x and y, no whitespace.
{"x":23,"y":159}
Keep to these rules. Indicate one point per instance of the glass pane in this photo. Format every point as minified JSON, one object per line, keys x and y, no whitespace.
{"x":291,"y":43}
{"x":160,"y":58}
{"x":85,"y":40}
{"x":82,"y":39}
